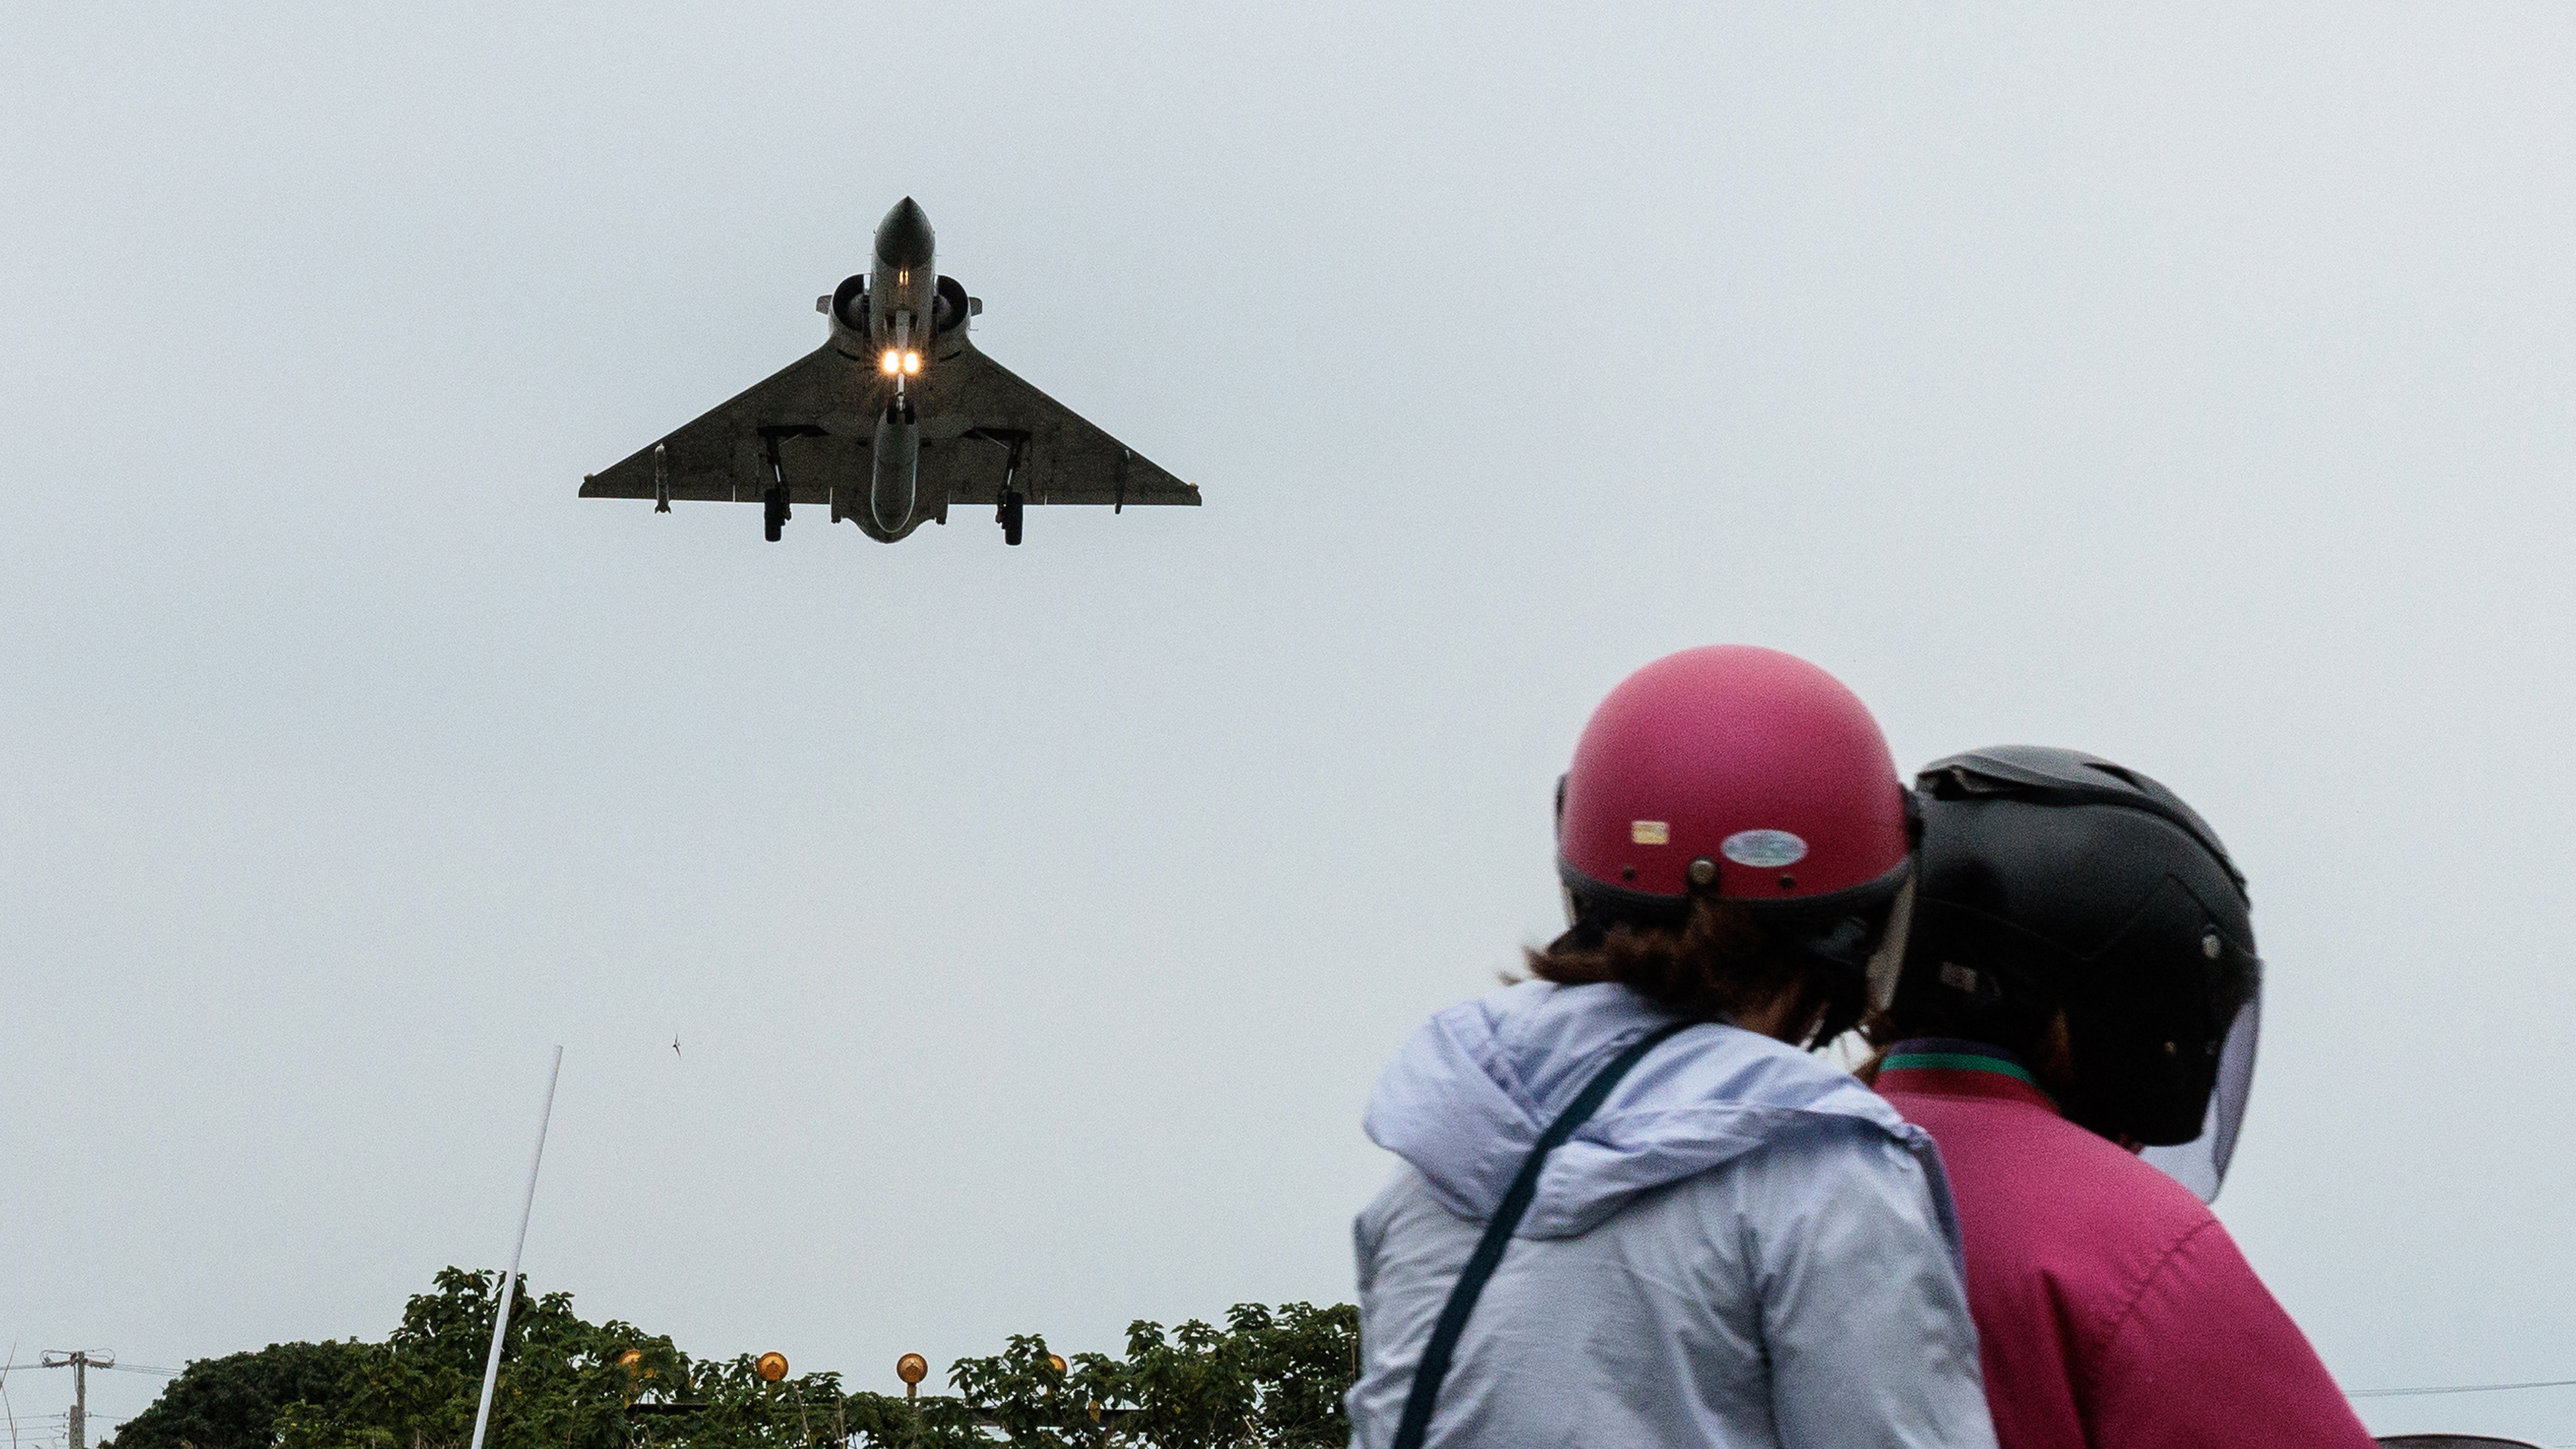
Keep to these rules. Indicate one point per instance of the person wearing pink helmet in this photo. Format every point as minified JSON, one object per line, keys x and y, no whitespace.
{"x":1631,"y":1208}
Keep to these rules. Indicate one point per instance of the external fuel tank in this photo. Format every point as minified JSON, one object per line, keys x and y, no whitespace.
{"x":896,"y":467}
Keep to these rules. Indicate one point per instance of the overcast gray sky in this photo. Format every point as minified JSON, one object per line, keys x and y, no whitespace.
{"x":2192,"y":388}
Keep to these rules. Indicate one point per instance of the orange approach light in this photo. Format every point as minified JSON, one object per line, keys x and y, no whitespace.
{"x":771,"y":1367}
{"x":912,"y":1368}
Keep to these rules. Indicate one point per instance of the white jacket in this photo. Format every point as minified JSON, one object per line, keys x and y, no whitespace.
{"x":1744,"y":1247}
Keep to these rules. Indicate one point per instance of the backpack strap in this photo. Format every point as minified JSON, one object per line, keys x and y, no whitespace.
{"x":1488,"y":1256}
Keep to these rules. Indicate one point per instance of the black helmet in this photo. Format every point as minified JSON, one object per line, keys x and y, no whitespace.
{"x":2053,"y":881}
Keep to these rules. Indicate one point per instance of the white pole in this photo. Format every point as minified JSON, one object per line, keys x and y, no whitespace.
{"x":510,"y":1284}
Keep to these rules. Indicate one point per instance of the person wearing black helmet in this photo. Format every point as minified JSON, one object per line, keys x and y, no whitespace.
{"x":2074,"y":1007}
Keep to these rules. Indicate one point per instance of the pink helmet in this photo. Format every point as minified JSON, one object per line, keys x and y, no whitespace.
{"x":1739,"y":772}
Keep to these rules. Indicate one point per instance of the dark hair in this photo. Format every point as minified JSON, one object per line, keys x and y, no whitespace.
{"x":1716,"y":962}
{"x":2018,"y":1025}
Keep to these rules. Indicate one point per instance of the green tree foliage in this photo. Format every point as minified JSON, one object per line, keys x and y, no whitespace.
{"x":233,"y":1402}
{"x":1271,"y":1378}
{"x":564,"y":1384}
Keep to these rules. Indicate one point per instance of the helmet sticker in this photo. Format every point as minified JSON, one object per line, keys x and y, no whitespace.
{"x":1650,"y":832}
{"x":1764,"y":849}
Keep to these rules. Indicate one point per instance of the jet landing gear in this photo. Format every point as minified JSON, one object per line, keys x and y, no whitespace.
{"x":774,"y":511}
{"x":1007,"y":504}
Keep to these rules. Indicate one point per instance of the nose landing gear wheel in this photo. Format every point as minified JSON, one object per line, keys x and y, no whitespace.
{"x":773,"y":512}
{"x":1008,"y":515}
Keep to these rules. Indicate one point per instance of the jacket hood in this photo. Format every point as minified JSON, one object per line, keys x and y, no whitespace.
{"x":1469,"y":1095}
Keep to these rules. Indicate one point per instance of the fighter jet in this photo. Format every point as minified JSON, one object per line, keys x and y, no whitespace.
{"x":895,"y":417}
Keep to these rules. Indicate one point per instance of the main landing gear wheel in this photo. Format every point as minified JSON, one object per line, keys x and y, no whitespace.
{"x":1008,"y":515}
{"x":773,"y":512}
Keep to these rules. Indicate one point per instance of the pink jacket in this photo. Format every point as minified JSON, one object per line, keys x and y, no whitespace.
{"x":2113,"y":1311}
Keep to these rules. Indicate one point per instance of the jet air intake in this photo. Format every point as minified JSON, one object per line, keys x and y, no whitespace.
{"x":896,"y":461}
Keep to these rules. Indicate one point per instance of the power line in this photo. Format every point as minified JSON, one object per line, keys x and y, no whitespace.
{"x":2457,"y":1389}
{"x":171,"y":1373}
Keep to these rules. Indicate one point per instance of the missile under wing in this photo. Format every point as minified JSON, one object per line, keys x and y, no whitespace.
{"x":895,"y":417}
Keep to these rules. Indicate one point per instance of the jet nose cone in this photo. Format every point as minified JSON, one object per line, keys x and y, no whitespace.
{"x":904,"y":238}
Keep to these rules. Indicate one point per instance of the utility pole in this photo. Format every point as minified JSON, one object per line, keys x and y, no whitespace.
{"x":80,"y":1361}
